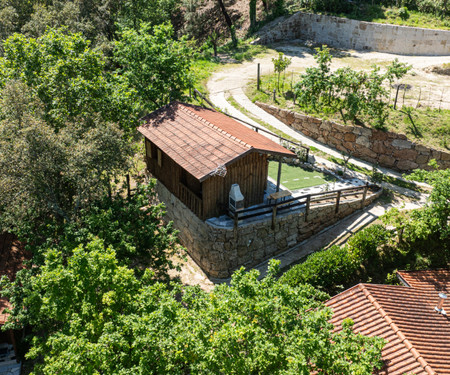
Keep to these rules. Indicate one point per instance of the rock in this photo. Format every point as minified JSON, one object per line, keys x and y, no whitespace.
{"x":405,"y":154}
{"x":349,"y":137}
{"x":422,"y":159}
{"x":363,"y":141}
{"x":386,"y":161}
{"x":406,"y":165}
{"x":402,"y":144}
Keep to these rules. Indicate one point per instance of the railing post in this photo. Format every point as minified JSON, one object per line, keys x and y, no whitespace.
{"x":236,"y":218}
{"x":258,"y":78}
{"x":308,"y":204}
{"x":364,"y":194}
{"x":274,"y":215}
{"x":338,"y":198}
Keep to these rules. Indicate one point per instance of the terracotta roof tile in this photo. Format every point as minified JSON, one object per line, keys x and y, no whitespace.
{"x":437,"y":280}
{"x":418,"y":336}
{"x":200,"y":139}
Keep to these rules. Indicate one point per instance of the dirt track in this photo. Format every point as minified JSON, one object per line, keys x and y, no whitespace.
{"x":433,"y":89}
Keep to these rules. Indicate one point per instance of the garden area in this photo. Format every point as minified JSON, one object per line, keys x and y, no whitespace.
{"x":351,"y":91}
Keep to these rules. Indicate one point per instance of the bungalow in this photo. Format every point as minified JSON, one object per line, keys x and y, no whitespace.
{"x":198,"y":154}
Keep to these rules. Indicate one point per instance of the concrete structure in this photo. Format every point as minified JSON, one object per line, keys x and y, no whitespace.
{"x":352,"y":34}
{"x":386,"y":149}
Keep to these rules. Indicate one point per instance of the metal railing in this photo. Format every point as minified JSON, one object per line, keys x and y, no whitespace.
{"x":304,"y":201}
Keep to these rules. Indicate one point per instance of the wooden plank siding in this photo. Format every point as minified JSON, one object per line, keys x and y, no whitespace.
{"x":210,"y":198}
{"x":250,"y":172}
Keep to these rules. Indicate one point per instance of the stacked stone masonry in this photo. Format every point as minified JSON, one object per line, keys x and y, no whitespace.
{"x":387,"y":149}
{"x":352,"y":34}
{"x":219,"y":251}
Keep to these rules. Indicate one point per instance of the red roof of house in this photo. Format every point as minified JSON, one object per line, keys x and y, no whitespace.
{"x":433,"y":280}
{"x":200,"y":139}
{"x":12,"y":255}
{"x":417,"y":335}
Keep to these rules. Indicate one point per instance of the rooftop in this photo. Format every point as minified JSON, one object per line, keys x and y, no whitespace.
{"x":417,"y":335}
{"x":200,"y":139}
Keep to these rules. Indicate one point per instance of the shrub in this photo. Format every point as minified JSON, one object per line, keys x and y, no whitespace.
{"x":403,"y":13}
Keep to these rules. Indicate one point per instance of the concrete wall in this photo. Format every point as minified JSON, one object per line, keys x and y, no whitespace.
{"x":351,"y":34}
{"x":387,"y":149}
{"x":220,"y":251}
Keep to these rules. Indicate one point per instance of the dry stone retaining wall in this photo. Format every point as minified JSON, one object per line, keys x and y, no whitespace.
{"x":352,"y":34}
{"x":219,"y":251}
{"x":391,"y":150}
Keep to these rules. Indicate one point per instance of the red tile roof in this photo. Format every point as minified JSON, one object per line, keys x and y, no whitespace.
{"x":433,"y":280}
{"x":200,"y":139}
{"x":12,"y":255}
{"x":417,"y":335}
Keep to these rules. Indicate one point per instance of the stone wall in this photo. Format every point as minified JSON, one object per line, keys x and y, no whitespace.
{"x":219,"y":251}
{"x":387,"y":149}
{"x":351,"y":34}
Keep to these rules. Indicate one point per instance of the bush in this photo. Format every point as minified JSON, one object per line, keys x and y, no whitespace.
{"x":403,"y":13}
{"x":337,"y":268}
{"x":329,"y":270}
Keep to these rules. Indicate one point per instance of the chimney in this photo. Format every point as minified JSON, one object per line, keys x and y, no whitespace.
{"x":440,"y":307}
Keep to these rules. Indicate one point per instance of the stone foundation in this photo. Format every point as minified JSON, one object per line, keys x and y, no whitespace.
{"x":219,"y":251}
{"x":391,"y":150}
{"x":352,"y":34}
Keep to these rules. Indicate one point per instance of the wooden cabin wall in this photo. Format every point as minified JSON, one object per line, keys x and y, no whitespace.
{"x":250,"y":172}
{"x":168,"y":173}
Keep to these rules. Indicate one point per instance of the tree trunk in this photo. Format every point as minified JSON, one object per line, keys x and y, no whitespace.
{"x":229,"y":22}
{"x":252,"y":14}
{"x":266,"y":5}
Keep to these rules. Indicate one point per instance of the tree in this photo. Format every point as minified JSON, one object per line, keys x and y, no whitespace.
{"x":252,"y":13}
{"x":280,"y":65}
{"x":47,"y":172}
{"x":154,"y":65}
{"x":94,"y":316}
{"x":229,"y":23}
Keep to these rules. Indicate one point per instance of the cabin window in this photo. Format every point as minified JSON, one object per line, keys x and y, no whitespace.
{"x":148,"y":148}
{"x":159,"y":153}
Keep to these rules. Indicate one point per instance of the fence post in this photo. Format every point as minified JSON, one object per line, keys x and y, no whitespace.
{"x":364,"y":194}
{"x":338,"y":198}
{"x":274,"y":215}
{"x":308,"y":203}
{"x":258,"y":78}
{"x":396,"y":95}
{"x":274,"y":95}
{"x":236,"y":218}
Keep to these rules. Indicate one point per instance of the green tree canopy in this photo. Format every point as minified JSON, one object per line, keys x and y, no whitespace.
{"x":94,"y":317}
{"x":154,"y":65}
{"x":47,"y":173}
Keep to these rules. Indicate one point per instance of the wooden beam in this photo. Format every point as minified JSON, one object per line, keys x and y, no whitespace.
{"x":279,"y":175}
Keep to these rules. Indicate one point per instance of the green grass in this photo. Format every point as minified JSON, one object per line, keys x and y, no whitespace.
{"x":294,"y":177}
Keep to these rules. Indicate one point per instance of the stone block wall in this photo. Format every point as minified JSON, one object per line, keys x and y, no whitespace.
{"x":352,"y":34}
{"x":219,"y":251}
{"x":391,"y":150}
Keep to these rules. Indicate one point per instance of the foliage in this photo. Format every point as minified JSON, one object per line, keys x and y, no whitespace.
{"x":89,"y":310}
{"x":349,"y":92}
{"x":132,"y":226}
{"x":63,"y":72}
{"x":44,"y":172}
{"x":415,"y":239}
{"x":154,"y":65}
{"x":280,"y":65}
